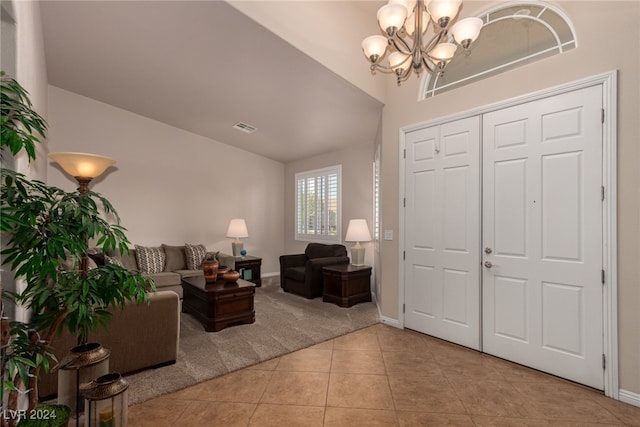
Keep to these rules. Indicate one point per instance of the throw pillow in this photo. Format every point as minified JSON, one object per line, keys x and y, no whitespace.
{"x":113,"y":260}
{"x":194,"y":255}
{"x":150,"y":260}
{"x":175,"y":258}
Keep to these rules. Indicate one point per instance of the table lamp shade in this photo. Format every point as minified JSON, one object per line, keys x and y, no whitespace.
{"x":238,"y":230}
{"x":357,"y":231}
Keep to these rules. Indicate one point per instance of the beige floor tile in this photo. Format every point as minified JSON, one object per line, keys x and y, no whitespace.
{"x":493,"y":398}
{"x":267,"y":415}
{"x":359,"y":391}
{"x":306,"y":360}
{"x":410,"y":364}
{"x":358,"y":362}
{"x":394,"y":339}
{"x":383,"y":376}
{"x":157,"y":412}
{"x":227,"y":414}
{"x":297,"y":388}
{"x":351,"y":417}
{"x":326,"y":345}
{"x":628,"y":414}
{"x":564,"y":401}
{"x":428,"y":394}
{"x":422,"y":419}
{"x":483,"y":421}
{"x":246,"y":385}
{"x":364,"y":339}
{"x":269,"y":365}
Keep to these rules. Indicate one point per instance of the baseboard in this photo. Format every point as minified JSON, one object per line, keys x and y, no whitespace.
{"x":629,"y":397}
{"x":383,"y":319}
{"x":391,"y":322}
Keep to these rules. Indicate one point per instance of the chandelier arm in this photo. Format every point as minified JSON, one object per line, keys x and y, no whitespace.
{"x":382,"y":68}
{"x":430,"y":67}
{"x":400,"y":45}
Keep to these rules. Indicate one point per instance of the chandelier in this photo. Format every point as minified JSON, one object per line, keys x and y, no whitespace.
{"x":405,"y":24}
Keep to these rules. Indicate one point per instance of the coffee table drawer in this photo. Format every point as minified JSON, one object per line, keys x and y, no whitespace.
{"x":233,"y":304}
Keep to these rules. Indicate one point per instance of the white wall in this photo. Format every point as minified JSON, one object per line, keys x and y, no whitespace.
{"x":168,"y":185}
{"x":31,"y":73}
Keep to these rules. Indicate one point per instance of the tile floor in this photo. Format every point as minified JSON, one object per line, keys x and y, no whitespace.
{"x":383,"y":376}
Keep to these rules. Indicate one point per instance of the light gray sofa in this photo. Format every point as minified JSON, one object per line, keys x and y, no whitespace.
{"x":170,"y":265}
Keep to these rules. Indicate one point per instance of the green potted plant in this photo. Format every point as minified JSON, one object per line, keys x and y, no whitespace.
{"x":47,"y":232}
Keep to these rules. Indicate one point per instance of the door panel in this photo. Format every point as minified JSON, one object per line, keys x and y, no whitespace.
{"x":442,"y":288}
{"x":542,"y":217}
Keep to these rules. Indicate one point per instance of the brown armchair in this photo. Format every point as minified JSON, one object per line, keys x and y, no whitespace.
{"x":302,"y":273}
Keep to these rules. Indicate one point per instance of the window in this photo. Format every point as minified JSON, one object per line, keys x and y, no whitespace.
{"x":514,"y":33}
{"x":318,"y":200}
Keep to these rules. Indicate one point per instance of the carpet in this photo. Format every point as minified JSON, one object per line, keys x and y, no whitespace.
{"x":284,"y":323}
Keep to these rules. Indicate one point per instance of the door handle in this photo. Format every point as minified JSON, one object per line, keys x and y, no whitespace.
{"x":488,"y":264}
{"x":487,"y":250}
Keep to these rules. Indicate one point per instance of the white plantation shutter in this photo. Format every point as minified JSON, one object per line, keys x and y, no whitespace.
{"x":318,"y":204}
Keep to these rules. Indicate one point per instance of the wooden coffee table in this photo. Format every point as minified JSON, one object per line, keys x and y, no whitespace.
{"x":218,"y":305}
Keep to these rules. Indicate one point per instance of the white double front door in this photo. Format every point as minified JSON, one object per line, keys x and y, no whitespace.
{"x":503,"y":233}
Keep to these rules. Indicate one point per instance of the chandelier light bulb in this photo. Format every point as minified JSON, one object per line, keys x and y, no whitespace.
{"x":408,"y":4}
{"x":398,"y":61}
{"x":466,"y":31}
{"x":374,"y":47}
{"x":410,"y":24}
{"x":391,"y":17}
{"x":443,"y":11}
{"x":443,"y":52}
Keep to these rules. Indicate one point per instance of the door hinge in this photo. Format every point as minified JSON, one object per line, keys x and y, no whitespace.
{"x":604,"y":362}
{"x":602,"y":276}
{"x":602,"y":116}
{"x":404,"y":153}
{"x":404,"y":255}
{"x":602,"y":192}
{"x":403,"y":307}
{"x":404,"y":202}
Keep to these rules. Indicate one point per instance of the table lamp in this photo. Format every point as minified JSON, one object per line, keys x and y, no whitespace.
{"x":238,"y":230}
{"x":357,"y":231}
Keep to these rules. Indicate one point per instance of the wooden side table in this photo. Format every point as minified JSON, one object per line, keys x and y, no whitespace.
{"x":346,"y":284}
{"x":249,"y":268}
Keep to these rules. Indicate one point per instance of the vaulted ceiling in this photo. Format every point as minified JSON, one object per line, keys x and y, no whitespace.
{"x":203,"y":66}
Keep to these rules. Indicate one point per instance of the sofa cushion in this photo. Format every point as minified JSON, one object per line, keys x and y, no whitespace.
{"x":320,"y":250}
{"x":295,"y":273}
{"x":165,"y":278}
{"x":189,"y":273}
{"x":194,"y":255}
{"x":150,"y":260}
{"x":176,"y":259}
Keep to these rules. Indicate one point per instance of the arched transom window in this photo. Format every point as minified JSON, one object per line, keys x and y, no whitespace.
{"x":513,"y":34}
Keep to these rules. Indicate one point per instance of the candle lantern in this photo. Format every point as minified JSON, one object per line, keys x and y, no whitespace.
{"x":78,"y":368}
{"x":106,"y":401}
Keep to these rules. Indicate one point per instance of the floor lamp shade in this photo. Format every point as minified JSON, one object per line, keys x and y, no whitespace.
{"x":357,"y":231}
{"x":82,"y":165}
{"x":238,"y":230}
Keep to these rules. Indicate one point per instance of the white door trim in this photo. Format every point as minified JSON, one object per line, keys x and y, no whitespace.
{"x":609,"y":171}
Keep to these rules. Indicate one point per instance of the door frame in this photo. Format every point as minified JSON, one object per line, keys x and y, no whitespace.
{"x":608,"y":81}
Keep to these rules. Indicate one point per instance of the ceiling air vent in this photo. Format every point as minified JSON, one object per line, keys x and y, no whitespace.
{"x":244,"y":127}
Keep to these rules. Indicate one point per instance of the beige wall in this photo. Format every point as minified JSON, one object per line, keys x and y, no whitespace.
{"x":357,"y":193}
{"x":595,"y":54}
{"x":168,"y":185}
